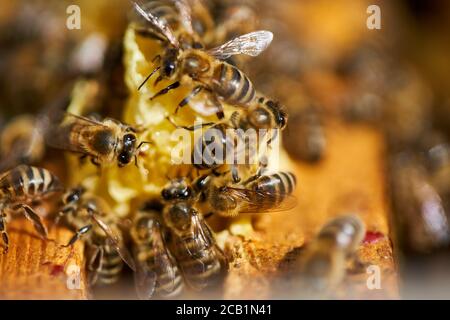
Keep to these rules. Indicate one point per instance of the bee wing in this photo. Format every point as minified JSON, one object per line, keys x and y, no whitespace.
{"x":145,"y":281}
{"x":157,"y":23}
{"x":164,"y":261}
{"x":115,"y":242}
{"x":253,"y":201}
{"x":251,"y":44}
{"x":185,"y":15}
{"x":58,"y":127}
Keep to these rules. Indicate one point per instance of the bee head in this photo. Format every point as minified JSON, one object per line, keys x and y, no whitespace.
{"x":169,"y":63}
{"x":176,"y":190}
{"x":128,"y":149}
{"x":179,"y":216}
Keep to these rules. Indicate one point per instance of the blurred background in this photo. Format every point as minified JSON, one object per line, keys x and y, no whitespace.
{"x":325,"y":65}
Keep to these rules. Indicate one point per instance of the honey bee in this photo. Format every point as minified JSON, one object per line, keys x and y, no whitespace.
{"x":420,"y":219}
{"x":305,"y":138}
{"x":157,"y":272}
{"x":322,"y":263}
{"x":206,"y":68}
{"x":93,"y":221}
{"x":192,"y":242}
{"x":260,"y":193}
{"x":21,"y":142}
{"x":229,"y":137}
{"x":21,"y":187}
{"x":105,"y":141}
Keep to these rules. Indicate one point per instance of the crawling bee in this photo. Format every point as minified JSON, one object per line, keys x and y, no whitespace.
{"x":260,"y":193}
{"x":305,"y":138}
{"x":91,"y":218}
{"x":232,"y":139}
{"x":22,"y":142}
{"x":322,"y":263}
{"x":202,"y":262}
{"x":157,"y":272}
{"x":105,"y":142}
{"x":205,"y":67}
{"x":421,"y":222}
{"x":19,"y":188}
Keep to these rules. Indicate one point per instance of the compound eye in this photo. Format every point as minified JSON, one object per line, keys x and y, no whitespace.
{"x":169,"y":69}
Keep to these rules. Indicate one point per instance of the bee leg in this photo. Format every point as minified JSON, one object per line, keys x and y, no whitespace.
{"x":208,"y":215}
{"x":82,"y":158}
{"x":158,"y":80}
{"x":5,"y":237}
{"x":31,"y":215}
{"x":166,"y":89}
{"x":95,"y":162}
{"x":235,"y":174}
{"x":94,"y":263}
{"x":80,"y":232}
{"x":190,"y":128}
{"x":220,"y":114}
{"x":191,"y":95}
{"x":274,"y":136}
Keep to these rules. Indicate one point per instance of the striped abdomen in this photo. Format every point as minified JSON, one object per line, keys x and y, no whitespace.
{"x":27,"y":181}
{"x":112,"y":266}
{"x":202,"y":262}
{"x":168,"y":284}
{"x":232,"y":85}
{"x":281,"y":183}
{"x":202,"y":158}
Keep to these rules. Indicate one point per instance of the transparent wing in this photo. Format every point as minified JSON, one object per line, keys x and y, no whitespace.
{"x":144,"y":280}
{"x":116,"y":243}
{"x":157,"y":24}
{"x":185,"y":15}
{"x":252,"y":201}
{"x":251,"y":44}
{"x":164,"y":262}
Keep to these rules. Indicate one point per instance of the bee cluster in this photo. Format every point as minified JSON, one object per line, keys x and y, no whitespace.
{"x":130,"y":204}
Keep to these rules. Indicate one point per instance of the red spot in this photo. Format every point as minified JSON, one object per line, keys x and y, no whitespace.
{"x":373,"y":236}
{"x":55,"y":269}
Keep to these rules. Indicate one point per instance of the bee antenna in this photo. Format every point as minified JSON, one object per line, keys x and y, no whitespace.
{"x":142,"y":143}
{"x":148,"y":78}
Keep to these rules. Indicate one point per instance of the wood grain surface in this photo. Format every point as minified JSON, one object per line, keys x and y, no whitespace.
{"x":35,"y":268}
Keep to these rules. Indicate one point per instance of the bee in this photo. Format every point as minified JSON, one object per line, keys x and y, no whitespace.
{"x":105,"y":141}
{"x":206,"y":68}
{"x":93,"y":221}
{"x":322,"y":263}
{"x":305,"y":138}
{"x":420,"y":218}
{"x":157,"y":272}
{"x":21,"y":187}
{"x":260,"y":193}
{"x":192,"y":242}
{"x":229,"y":139}
{"x":22,"y":142}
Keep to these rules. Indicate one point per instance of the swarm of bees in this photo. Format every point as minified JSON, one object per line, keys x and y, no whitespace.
{"x":167,"y":243}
